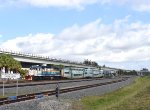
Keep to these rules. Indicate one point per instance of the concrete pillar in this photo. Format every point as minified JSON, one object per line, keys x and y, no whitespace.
{"x":62,"y":72}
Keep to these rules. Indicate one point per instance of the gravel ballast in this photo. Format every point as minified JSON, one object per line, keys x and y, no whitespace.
{"x":47,"y":87}
{"x":51,"y":103}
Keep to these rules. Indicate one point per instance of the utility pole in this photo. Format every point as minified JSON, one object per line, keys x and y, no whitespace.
{"x":3,"y":88}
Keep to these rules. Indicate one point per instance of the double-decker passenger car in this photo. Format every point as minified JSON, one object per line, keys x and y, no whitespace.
{"x":88,"y":73}
{"x":72,"y":72}
{"x":97,"y":73}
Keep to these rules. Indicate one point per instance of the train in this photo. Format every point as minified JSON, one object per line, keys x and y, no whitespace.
{"x":37,"y":72}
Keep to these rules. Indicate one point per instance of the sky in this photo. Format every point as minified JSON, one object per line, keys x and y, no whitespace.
{"x":115,"y":33}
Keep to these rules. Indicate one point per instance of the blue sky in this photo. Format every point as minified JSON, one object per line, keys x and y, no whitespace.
{"x":100,"y":30}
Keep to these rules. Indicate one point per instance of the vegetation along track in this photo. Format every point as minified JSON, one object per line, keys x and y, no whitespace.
{"x":25,"y":97}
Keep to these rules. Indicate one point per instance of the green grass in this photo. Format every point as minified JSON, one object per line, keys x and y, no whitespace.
{"x":133,"y":97}
{"x":2,"y":97}
{"x":7,"y":95}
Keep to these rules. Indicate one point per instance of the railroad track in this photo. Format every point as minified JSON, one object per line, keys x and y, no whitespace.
{"x":45,"y":83}
{"x":14,"y":99}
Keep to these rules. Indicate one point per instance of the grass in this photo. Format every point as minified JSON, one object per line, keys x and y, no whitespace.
{"x":133,"y":97}
{"x":7,"y":95}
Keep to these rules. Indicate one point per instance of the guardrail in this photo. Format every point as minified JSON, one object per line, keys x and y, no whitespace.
{"x":39,"y":57}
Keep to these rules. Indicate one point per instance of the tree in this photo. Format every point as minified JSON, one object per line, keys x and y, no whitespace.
{"x":9,"y":63}
{"x":86,"y":62}
{"x":23,"y":73}
{"x":1,"y":65}
{"x":89,"y":62}
{"x":99,"y":67}
{"x":104,"y":66}
{"x":95,"y":63}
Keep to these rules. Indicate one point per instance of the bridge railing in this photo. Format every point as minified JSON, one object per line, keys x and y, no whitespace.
{"x":39,"y":57}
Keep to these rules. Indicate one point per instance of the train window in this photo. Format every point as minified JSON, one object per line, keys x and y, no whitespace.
{"x":77,"y":74}
{"x":66,"y":72}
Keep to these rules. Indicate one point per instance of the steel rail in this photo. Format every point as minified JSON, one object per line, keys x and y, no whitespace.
{"x":45,"y":83}
{"x":25,"y":97}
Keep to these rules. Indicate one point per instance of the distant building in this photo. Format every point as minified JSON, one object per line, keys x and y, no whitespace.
{"x":143,"y":72}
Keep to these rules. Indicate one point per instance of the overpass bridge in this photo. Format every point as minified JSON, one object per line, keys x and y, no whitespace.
{"x":28,"y":60}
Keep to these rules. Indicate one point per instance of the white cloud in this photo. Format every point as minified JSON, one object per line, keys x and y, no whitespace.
{"x":30,"y":43}
{"x":142,"y":7}
{"x":120,"y":41}
{"x":60,"y":3}
{"x":79,"y":4}
{"x":139,"y":5}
